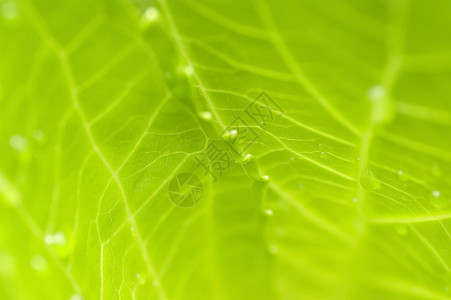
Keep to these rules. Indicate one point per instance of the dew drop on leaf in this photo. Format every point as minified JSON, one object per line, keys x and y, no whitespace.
{"x":6,"y":263}
{"x":150,"y":15}
{"x":18,"y":142}
{"x":269,"y":212}
{"x":265,"y":178}
{"x":206,"y":115}
{"x":247,"y":158}
{"x":57,"y":238}
{"x":141,"y":279}
{"x":76,"y":297}
{"x":402,"y":176}
{"x":376,"y":92}
{"x":273,"y":249}
{"x":156,"y":283}
{"x":9,"y":10}
{"x":381,"y":105}
{"x":188,"y":70}
{"x":39,"y":263}
{"x":401,"y":229}
{"x":436,"y":170}
{"x":38,"y":135}
{"x":438,"y":200}
{"x":230,"y":135}
{"x":369,"y":181}
{"x":9,"y":192}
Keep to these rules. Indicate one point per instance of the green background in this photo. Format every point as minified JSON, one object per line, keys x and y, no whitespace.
{"x":346,"y":195}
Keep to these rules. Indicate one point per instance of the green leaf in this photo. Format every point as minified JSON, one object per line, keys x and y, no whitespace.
{"x":179,"y":149}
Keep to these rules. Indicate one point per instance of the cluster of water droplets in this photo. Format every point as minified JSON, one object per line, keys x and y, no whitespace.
{"x":57,"y":238}
{"x":60,"y":242}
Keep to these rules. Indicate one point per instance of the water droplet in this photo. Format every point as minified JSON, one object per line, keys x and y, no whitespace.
{"x":436,"y":170}
{"x":76,"y":297}
{"x":355,"y":200}
{"x":300,"y":185}
{"x":206,"y":115}
{"x":269,"y":212}
{"x":141,"y":279}
{"x":58,"y":238}
{"x":358,"y":158}
{"x":9,"y":10}
{"x":230,"y":135}
{"x":18,"y":142}
{"x":38,"y":135}
{"x":6,"y":263}
{"x":48,"y":239}
{"x":359,"y":226}
{"x":265,"y":178}
{"x":401,"y":229}
{"x":39,"y":263}
{"x":273,"y":249}
{"x":438,"y":201}
{"x":376,"y":92}
{"x":9,"y":192}
{"x":151,"y":15}
{"x":382,"y":110}
{"x":402,"y":176}
{"x":247,"y":158}
{"x":188,"y":70}
{"x":369,"y":181}
{"x":133,"y":231}
{"x":292,"y":158}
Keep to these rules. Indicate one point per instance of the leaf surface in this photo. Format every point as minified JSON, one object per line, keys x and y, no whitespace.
{"x":326,"y":126}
